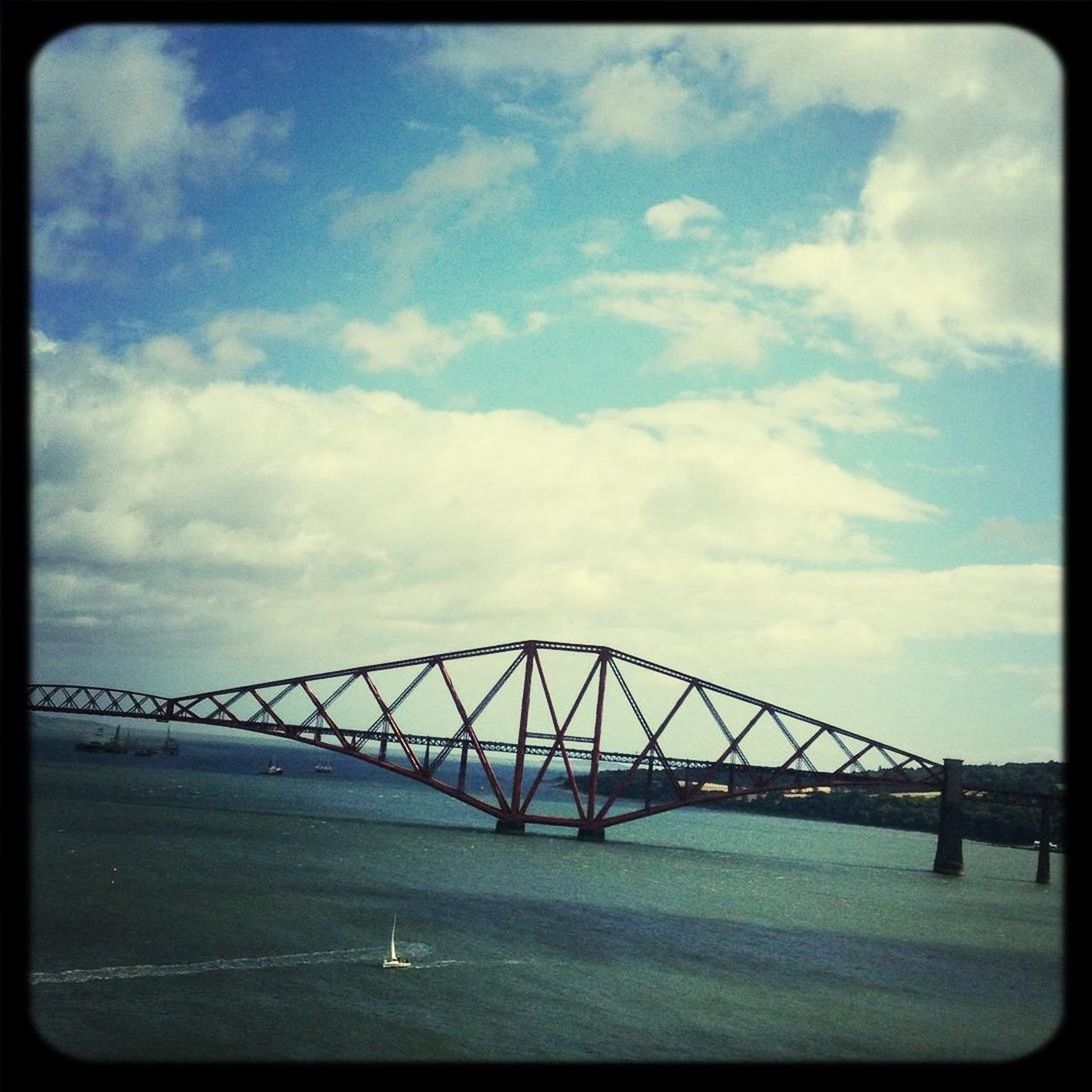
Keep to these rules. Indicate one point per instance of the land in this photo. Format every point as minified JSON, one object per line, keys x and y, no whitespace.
{"x":999,"y":821}
{"x":1002,"y":823}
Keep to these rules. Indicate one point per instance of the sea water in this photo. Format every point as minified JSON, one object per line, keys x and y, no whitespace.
{"x":190,"y":909}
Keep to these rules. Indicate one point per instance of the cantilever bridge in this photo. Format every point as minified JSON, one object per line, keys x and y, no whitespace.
{"x":611,"y":729}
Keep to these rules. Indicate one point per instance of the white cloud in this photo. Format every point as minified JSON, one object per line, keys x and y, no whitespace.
{"x":955,"y":244}
{"x":684,"y":217}
{"x":952,"y":252}
{"x":703,"y":327}
{"x":927,"y":262}
{"x":168,"y":355}
{"x":720,"y":478}
{"x":642,"y":105}
{"x":116,"y":143}
{"x":410,"y":342}
{"x":857,"y":406}
{"x":596,"y":248}
{"x":455,"y":191}
{"x":538,"y":52}
{"x":715,"y":534}
{"x":42,"y":345}
{"x":234,"y":339}
{"x":229,"y":345}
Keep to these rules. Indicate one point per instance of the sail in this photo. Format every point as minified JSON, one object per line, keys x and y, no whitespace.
{"x":394,"y":954}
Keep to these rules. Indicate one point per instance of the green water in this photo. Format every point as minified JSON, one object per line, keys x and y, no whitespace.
{"x":189,"y":909}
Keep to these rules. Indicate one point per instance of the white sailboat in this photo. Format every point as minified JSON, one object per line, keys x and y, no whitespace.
{"x":393,"y":960}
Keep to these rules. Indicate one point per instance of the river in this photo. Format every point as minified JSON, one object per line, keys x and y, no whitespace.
{"x":189,"y":909}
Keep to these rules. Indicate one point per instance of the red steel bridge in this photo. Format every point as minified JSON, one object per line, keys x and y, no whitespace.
{"x":621,"y":738}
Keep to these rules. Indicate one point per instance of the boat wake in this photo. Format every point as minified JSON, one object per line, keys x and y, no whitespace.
{"x":208,"y":966}
{"x":471,"y":963}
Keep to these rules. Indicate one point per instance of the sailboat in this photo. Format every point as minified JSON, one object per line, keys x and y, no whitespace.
{"x":393,"y":960}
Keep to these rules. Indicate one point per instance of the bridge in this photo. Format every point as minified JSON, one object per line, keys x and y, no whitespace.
{"x":547,"y":732}
{"x":589,"y":716}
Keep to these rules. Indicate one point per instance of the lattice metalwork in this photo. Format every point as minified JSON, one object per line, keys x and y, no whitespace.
{"x":538,"y":731}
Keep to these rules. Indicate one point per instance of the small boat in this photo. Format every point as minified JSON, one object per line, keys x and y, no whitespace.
{"x":273,"y":768}
{"x":323,"y":767}
{"x":393,"y":959}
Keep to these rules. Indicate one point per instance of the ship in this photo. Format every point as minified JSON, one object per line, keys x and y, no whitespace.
{"x":115,"y":746}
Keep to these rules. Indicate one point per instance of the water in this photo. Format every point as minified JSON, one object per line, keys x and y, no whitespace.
{"x":187,"y":909}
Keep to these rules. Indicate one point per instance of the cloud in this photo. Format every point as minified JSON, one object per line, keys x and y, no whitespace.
{"x":457,"y":190}
{"x":955,"y":244}
{"x":643,"y":88}
{"x":855,"y":406}
{"x":536,"y":53}
{"x":409,"y":342}
{"x":116,"y":144}
{"x":358,"y":524}
{"x":639,"y":104}
{"x":1017,"y":536}
{"x":235,"y":339}
{"x":952,"y":290}
{"x":703,"y":327}
{"x":229,"y":345}
{"x":682,"y":218}
{"x":1047,"y":681}
{"x":952,"y":251}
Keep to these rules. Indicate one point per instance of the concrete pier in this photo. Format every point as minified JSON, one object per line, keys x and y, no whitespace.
{"x":949,"y":858}
{"x":509,"y":826}
{"x":589,"y":834}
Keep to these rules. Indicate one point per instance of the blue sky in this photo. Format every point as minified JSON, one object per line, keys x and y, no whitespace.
{"x":737,"y":348}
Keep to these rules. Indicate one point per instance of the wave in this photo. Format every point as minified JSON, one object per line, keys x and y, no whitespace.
{"x":208,"y":966}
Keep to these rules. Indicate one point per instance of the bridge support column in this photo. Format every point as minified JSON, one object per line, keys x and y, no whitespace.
{"x":1042,"y":872}
{"x":949,"y":858}
{"x":509,"y":826}
{"x":591,"y":834}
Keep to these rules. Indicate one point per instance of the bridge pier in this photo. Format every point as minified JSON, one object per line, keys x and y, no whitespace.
{"x":949,"y":856}
{"x":510,"y":826}
{"x":1042,"y":872}
{"x":591,"y":834}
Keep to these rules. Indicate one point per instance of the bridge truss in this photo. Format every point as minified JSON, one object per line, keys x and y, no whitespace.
{"x":541,"y":732}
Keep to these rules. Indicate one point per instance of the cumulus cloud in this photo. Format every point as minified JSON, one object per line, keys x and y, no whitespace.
{"x":411,"y":343}
{"x":228,"y":345}
{"x":354,"y":525}
{"x":638,"y":104}
{"x":682,"y":218}
{"x":618,"y":87}
{"x":951,"y":253}
{"x":955,"y":243}
{"x":117,"y":141}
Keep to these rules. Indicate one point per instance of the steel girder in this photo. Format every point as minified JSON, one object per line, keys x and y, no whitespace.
{"x":603,"y":724}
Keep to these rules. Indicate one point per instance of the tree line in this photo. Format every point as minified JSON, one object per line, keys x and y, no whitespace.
{"x":983,"y":820}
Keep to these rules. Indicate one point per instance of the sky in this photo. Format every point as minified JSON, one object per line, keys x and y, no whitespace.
{"x":737,"y":348}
